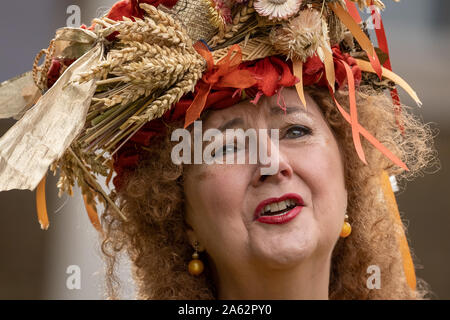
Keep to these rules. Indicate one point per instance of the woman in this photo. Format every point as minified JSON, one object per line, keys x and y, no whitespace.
{"x":214,"y":205}
{"x":320,"y":226}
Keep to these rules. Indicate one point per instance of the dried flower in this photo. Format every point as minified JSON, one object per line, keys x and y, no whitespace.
{"x":301,"y":36}
{"x":277,"y":9}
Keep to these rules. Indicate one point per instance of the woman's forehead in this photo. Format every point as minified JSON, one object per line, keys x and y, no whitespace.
{"x":268,"y":108}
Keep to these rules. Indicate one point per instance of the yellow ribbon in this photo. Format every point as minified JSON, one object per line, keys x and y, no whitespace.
{"x":298,"y":72}
{"x":329,"y":66}
{"x":367,"y":67}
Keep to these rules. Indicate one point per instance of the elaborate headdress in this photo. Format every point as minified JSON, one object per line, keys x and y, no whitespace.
{"x":100,"y":95}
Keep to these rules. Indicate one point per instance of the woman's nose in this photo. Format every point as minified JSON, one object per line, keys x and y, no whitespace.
{"x":273,"y":164}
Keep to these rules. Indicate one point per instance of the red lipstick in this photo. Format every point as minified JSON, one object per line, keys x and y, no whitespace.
{"x":279,"y":219}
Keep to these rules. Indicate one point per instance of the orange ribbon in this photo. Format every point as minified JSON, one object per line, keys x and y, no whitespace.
{"x":377,"y":144}
{"x":357,"y":129}
{"x":92,"y":214}
{"x":225,"y":73}
{"x":41,"y":208}
{"x":354,"y":113}
{"x":351,"y":7}
{"x":41,"y":205}
{"x":408,"y":265}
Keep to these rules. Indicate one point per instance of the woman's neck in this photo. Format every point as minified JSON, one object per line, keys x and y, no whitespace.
{"x":308,"y":280}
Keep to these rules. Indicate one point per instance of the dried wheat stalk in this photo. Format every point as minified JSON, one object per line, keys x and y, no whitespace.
{"x":133,"y":49}
{"x":147,"y":30}
{"x":151,"y":66}
{"x":126,"y":96}
{"x":155,"y":72}
{"x":173,"y":95}
{"x":157,"y":27}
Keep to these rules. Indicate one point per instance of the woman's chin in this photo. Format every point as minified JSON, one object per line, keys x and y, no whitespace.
{"x":283,"y":251}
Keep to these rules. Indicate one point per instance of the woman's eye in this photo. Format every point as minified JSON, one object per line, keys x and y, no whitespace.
{"x":226,"y":149}
{"x":297,"y":132}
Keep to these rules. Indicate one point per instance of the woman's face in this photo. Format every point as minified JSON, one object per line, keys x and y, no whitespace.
{"x":221,"y":199}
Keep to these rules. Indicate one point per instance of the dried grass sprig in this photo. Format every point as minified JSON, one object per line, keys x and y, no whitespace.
{"x":87,"y":182}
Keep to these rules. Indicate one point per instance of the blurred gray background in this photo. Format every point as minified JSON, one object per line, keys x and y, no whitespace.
{"x":33,"y":263}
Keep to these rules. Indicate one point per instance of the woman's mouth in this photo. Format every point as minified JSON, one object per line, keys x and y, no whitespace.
{"x":279,"y":210}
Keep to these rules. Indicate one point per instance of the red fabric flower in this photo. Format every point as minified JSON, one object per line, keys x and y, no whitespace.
{"x":271,"y":74}
{"x":225,"y":74}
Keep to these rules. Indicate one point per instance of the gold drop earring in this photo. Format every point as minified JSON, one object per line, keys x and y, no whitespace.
{"x":346,"y":228}
{"x":195,"y":266}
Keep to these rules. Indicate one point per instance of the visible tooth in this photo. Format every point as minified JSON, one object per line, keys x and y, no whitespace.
{"x":289,"y":202}
{"x":274,"y":207}
{"x":267,"y":208}
{"x":282,"y":205}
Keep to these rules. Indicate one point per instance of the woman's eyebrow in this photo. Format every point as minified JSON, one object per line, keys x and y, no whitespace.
{"x":289,"y":110}
{"x":273,"y":110}
{"x":229,"y":124}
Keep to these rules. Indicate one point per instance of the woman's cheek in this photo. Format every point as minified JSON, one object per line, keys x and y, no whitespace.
{"x":321,"y":170}
{"x":222,"y":188}
{"x":221,"y":192}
